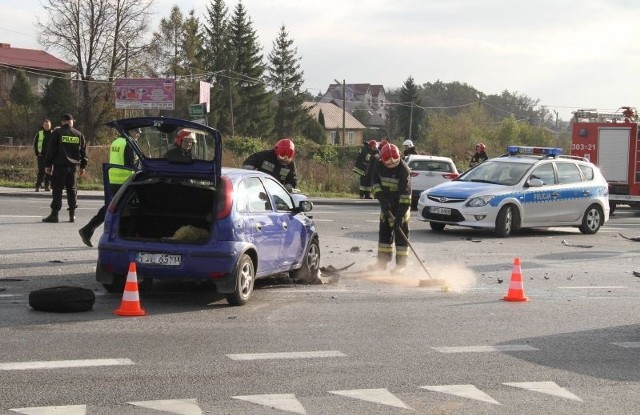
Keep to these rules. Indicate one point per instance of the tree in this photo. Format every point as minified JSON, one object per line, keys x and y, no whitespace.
{"x":410,"y":114}
{"x":19,"y":112}
{"x":57,"y":99}
{"x":285,"y":77}
{"x":21,"y":93}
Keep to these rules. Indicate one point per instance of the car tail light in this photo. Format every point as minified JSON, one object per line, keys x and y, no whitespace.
{"x":450,"y":176}
{"x":414,"y":174}
{"x":225,"y":198}
{"x":214,"y":275}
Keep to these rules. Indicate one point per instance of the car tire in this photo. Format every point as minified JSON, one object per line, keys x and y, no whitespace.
{"x":62,"y":299}
{"x":612,"y":207}
{"x":308,"y":272}
{"x":506,"y":221}
{"x":245,"y":276}
{"x":592,"y":220}
{"x":436,"y":226}
{"x":117,"y":286}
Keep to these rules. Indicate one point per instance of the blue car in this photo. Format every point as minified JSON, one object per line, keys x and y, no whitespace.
{"x":182,"y":216}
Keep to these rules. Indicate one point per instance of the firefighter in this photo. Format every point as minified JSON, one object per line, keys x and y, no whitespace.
{"x":181,"y":149}
{"x":40,"y":143}
{"x":409,"y":149}
{"x":66,"y":157}
{"x":479,"y":156}
{"x":361,"y":167}
{"x":122,"y":154}
{"x":277,"y":162}
{"x":391,"y":185}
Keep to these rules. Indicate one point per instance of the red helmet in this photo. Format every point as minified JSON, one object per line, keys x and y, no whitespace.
{"x":482,"y":146}
{"x":373,"y":144}
{"x":390,"y":156}
{"x":182,"y":134}
{"x":285,"y":150}
{"x":382,"y":144}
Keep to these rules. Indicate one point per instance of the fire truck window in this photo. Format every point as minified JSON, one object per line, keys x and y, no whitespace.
{"x":587,"y":172}
{"x":545,"y":173}
{"x":568,"y":173}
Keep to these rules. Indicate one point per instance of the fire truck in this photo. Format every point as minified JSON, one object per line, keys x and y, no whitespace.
{"x":611,"y":141}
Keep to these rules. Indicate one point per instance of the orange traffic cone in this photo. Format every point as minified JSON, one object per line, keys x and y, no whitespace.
{"x":130,"y":305}
{"x":516,"y":289}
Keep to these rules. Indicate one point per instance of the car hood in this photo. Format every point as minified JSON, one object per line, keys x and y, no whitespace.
{"x":462,"y":189}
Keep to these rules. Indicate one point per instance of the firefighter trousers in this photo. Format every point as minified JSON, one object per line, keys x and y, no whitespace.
{"x":387,"y":238}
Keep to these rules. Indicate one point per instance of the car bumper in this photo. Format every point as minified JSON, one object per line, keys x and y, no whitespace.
{"x":460,"y":216}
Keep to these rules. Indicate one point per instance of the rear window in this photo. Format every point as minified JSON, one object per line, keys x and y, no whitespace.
{"x":162,"y":140}
{"x":430,"y":165}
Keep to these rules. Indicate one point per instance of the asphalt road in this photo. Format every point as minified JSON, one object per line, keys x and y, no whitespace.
{"x":363,"y":343}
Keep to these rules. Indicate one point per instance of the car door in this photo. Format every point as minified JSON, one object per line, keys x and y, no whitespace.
{"x":541,"y":203}
{"x":574,"y":196}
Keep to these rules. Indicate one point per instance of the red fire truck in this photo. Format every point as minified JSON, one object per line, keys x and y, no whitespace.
{"x":611,"y":141}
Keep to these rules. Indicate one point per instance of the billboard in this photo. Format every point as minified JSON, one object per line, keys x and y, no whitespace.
{"x":145,"y":93}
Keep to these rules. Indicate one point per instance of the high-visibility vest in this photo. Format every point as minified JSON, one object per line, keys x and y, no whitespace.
{"x":116,"y":156}
{"x":40,"y":140}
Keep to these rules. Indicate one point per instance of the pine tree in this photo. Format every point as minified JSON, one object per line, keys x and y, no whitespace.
{"x":21,"y":93}
{"x":409,"y":113}
{"x":57,"y":99}
{"x":285,"y":77}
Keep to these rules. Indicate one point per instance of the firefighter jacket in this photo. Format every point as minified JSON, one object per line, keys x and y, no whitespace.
{"x":409,"y":151}
{"x":364,"y":159}
{"x":267,"y":161}
{"x":122,"y":154}
{"x":67,"y":147}
{"x":41,"y":142}
{"x":392,"y":187}
{"x":478,"y":158}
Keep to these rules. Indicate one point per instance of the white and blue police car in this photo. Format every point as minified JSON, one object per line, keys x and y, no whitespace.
{"x":528,"y":187}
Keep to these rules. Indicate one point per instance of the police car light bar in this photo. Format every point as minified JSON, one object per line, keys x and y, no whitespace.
{"x":538,"y":151}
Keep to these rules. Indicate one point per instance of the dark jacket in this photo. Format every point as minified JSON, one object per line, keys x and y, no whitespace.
{"x":45,"y":142}
{"x":392,"y":187}
{"x":478,"y":158}
{"x":409,"y":150}
{"x":267,"y":161}
{"x":67,"y":146}
{"x":363,"y":160}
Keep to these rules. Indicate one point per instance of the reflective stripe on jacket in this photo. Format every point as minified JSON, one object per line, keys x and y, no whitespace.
{"x":116,"y":156}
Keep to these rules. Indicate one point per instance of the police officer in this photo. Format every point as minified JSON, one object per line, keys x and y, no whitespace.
{"x":409,"y":149}
{"x":363,"y":161}
{"x":122,"y":154}
{"x":40,"y":143}
{"x":391,"y":185}
{"x":65,"y":157}
{"x":277,"y":162}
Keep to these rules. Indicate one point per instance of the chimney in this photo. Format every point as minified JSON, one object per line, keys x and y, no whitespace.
{"x":5,"y":45}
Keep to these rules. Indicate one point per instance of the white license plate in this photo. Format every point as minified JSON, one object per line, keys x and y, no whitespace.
{"x":159,"y":259}
{"x":440,"y":210}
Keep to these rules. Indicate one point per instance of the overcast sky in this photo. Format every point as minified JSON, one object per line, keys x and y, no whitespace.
{"x":567,"y":54}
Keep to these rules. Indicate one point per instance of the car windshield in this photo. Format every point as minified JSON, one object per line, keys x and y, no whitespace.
{"x":503,"y":173}
{"x":173,"y":142}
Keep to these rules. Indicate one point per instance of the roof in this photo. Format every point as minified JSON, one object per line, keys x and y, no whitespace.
{"x":32,"y":58}
{"x":332,"y":116}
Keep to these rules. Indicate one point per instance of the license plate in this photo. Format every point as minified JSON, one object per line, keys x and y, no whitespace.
{"x":159,"y":259}
{"x":440,"y":210}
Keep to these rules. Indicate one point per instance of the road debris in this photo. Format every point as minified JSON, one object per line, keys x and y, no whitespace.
{"x":633,"y":238}
{"x":565,"y":243}
{"x":331,"y":270}
{"x":636,"y":274}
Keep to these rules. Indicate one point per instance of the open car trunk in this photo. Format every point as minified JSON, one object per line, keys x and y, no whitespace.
{"x":173,"y":210}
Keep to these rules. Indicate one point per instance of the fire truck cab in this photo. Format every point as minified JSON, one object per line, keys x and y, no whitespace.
{"x":611,"y":142}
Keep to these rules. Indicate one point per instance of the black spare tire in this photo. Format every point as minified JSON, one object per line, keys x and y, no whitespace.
{"x":62,"y":299}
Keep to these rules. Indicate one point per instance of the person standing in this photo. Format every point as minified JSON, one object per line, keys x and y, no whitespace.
{"x":277,"y":162}
{"x":66,"y":157}
{"x":40,"y":143}
{"x":391,"y":185}
{"x":182,"y":147}
{"x":409,"y":149}
{"x":364,"y":159}
{"x":120,"y":153}
{"x":479,"y":156}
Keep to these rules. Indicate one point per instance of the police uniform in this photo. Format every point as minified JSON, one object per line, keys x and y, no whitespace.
{"x":40,"y":144}
{"x":267,"y":161}
{"x":67,"y":151}
{"x":392,"y":187}
{"x":361,"y":168}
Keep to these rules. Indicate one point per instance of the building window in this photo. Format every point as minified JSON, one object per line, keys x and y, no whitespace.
{"x":42,"y":85}
{"x":351,"y":137}
{"x":334,"y":137}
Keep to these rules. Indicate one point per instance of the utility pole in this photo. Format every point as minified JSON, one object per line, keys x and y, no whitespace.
{"x":410,"y":121}
{"x":233,"y":129}
{"x":344,"y":110}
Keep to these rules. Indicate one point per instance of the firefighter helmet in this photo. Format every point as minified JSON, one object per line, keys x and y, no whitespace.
{"x":382,"y":144}
{"x":482,"y":146}
{"x":390,"y":156}
{"x":285,"y":150}
{"x":184,"y":134}
{"x":408,"y":143}
{"x":373,"y":144}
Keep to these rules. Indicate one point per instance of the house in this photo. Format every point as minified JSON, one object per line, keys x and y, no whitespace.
{"x":368,"y":102}
{"x":39,"y":67}
{"x":333,"y":125}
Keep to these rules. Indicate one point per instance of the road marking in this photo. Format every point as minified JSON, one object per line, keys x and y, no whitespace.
{"x":20,"y":216}
{"x":58,"y":364}
{"x":53,"y":410}
{"x":381,"y":396}
{"x":284,"y":401}
{"x":627,"y":345}
{"x":285,"y":355}
{"x":485,"y":349}
{"x":596,"y":287}
{"x":549,"y":388}
{"x":174,"y":406}
{"x":464,"y":391}
{"x":323,"y":220}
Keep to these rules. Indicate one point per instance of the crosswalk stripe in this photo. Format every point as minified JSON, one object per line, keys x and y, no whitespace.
{"x":53,"y":410}
{"x":485,"y":349}
{"x":627,"y":345}
{"x":174,"y":406}
{"x":464,"y":391}
{"x":549,"y":388}
{"x":284,"y":401}
{"x":286,"y":355}
{"x":381,"y":396}
{"x":58,"y":364}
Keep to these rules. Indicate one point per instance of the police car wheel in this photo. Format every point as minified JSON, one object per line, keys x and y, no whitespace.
{"x":592,"y":220}
{"x":62,"y":299}
{"x":438,"y":227}
{"x":506,"y":221}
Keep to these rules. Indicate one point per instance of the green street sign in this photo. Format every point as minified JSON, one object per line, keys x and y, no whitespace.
{"x":196,"y":110}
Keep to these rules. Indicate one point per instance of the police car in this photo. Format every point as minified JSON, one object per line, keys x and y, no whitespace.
{"x":528,"y":187}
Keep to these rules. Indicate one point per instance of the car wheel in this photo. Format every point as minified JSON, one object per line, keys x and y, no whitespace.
{"x":117,"y":286}
{"x":505,"y":222}
{"x":592,"y":220}
{"x":438,"y":227}
{"x":308,"y":272}
{"x":245,"y":275}
{"x":62,"y":299}
{"x":612,"y":207}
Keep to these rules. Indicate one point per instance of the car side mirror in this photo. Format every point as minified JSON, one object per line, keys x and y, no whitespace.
{"x":535,"y":183}
{"x":305,"y":206}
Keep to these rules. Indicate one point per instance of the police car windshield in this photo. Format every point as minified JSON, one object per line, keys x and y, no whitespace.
{"x":496,"y":172}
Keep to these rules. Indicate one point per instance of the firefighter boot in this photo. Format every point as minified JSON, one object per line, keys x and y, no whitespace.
{"x":401,"y":265}
{"x":380,"y":265}
{"x":52,"y":218}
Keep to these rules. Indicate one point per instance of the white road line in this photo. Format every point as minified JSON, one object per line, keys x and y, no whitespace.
{"x":285,"y":355}
{"x":485,"y":349}
{"x":53,"y":410}
{"x":464,"y":391}
{"x":58,"y":364}
{"x":595,"y":287}
{"x":20,"y":216}
{"x":284,"y":401}
{"x":549,"y":388}
{"x":174,"y":406}
{"x":627,"y":345}
{"x":381,"y":396}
